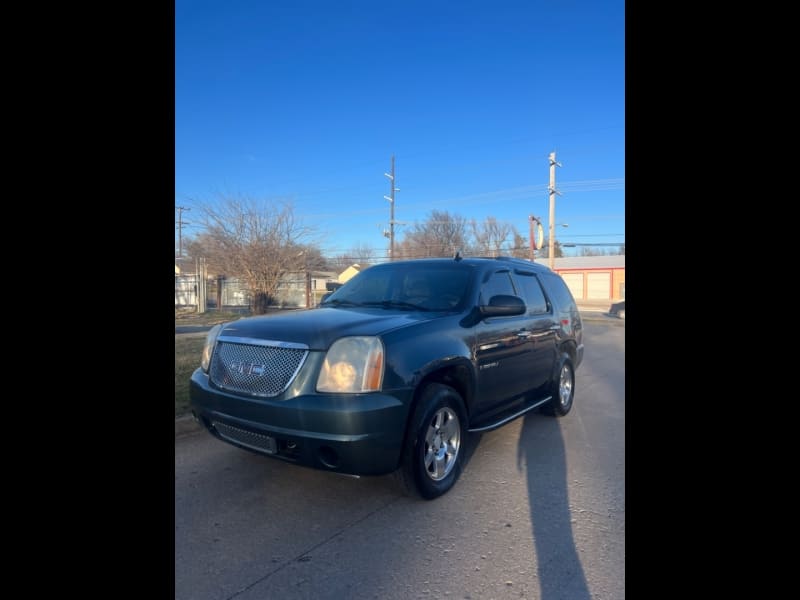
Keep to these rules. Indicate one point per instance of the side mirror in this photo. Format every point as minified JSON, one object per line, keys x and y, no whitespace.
{"x":503,"y":305}
{"x":324,"y":297}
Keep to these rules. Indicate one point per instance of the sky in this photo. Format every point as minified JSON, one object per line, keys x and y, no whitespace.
{"x":305,"y":102}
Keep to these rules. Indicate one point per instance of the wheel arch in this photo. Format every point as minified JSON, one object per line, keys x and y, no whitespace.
{"x":457,"y":373}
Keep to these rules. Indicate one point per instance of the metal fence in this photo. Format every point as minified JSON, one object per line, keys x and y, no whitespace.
{"x":234,"y":293}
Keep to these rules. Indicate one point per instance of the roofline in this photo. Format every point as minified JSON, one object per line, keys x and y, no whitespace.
{"x":617,"y":268}
{"x":476,"y":259}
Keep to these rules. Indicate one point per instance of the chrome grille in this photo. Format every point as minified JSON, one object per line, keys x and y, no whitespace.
{"x":256,"y":367}
{"x":247,"y":438}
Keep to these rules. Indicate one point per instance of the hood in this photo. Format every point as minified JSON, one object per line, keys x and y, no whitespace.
{"x":318,"y":328}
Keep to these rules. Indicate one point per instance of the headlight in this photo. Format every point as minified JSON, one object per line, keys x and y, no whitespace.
{"x":208,"y":348}
{"x":352,"y":365}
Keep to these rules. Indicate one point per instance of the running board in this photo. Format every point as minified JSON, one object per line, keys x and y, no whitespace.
{"x":510,"y":418}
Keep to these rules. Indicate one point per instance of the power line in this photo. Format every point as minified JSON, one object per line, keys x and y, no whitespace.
{"x":517,"y":193}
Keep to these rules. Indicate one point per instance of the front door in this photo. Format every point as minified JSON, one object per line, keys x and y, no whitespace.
{"x":502,"y":351}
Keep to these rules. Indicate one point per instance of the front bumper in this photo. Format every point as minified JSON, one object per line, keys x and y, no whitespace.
{"x":358,"y":434}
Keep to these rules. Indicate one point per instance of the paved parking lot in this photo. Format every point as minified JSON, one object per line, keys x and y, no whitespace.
{"x":539,"y":512}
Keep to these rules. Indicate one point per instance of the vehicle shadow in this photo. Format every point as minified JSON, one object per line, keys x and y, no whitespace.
{"x":541,"y":455}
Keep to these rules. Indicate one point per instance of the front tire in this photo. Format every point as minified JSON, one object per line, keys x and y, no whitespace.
{"x":563,"y":389}
{"x":433,"y":451}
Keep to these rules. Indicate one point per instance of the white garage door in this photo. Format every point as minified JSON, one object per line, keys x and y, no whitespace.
{"x":574,"y":282}
{"x":598,"y":286}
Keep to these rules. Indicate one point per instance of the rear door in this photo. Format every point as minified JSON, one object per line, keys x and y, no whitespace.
{"x":541,"y":328}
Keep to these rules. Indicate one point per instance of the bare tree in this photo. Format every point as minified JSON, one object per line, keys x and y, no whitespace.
{"x":442,"y":234}
{"x":363,"y":254}
{"x":259,"y":242}
{"x":360,"y":254}
{"x":544,"y":251}
{"x":520,"y":249}
{"x":587,"y":251}
{"x":490,"y":236}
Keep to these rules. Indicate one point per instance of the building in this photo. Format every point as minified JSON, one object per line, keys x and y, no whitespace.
{"x":348,"y":273}
{"x":593,"y":277}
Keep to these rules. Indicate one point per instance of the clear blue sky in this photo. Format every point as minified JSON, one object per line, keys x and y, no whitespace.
{"x":307,"y":101}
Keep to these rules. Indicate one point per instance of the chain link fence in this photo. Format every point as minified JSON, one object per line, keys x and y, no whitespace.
{"x":234,"y":294}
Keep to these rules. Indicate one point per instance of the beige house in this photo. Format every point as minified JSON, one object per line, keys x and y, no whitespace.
{"x":348,"y":273}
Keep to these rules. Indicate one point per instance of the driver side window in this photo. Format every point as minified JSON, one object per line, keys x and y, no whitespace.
{"x":498,"y":283}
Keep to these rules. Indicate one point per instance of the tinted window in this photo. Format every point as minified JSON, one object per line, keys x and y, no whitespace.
{"x":434,"y":287}
{"x":559,"y":291}
{"x":499,"y":283}
{"x":531,"y":292}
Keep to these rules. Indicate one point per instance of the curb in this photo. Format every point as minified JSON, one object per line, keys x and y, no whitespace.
{"x":602,"y":318}
{"x":186,"y":425}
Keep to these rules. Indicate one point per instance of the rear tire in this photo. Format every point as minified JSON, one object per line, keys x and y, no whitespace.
{"x":433,"y":451}
{"x":563,"y":389}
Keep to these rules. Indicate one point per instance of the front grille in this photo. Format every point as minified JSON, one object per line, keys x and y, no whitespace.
{"x":255,"y":367}
{"x":246,"y":438}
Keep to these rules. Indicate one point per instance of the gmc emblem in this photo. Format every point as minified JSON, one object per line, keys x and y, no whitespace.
{"x":248,"y":368}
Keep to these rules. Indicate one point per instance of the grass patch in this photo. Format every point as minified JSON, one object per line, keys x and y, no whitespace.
{"x":190,"y":316}
{"x":188,"y":350}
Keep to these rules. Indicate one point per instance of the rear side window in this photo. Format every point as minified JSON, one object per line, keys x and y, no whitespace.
{"x":531,"y":292}
{"x":559,"y":291}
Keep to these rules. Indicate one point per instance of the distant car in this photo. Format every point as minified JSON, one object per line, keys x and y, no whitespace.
{"x":617,"y":309}
{"x":395,"y":368}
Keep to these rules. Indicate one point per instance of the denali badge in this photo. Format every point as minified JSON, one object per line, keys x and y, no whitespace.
{"x":248,"y":368}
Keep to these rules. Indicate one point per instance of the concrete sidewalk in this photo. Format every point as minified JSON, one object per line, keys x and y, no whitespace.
{"x":186,"y":425}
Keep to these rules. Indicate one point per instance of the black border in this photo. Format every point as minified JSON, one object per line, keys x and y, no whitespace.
{"x":102,"y":111}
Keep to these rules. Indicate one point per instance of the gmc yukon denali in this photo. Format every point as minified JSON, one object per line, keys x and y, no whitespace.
{"x":394,"y":369}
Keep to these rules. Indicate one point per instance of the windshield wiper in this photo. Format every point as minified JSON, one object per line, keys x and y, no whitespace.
{"x":395,"y":304}
{"x":337,"y":302}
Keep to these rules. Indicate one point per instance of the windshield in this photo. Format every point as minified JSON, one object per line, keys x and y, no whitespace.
{"x":410,"y":286}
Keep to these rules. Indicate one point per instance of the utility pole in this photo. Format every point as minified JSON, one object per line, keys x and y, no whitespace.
{"x":308,"y":287}
{"x":553,"y":192}
{"x":391,"y":217}
{"x":181,"y":223}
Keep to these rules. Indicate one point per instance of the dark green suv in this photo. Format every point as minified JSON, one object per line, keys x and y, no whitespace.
{"x":395,"y":368}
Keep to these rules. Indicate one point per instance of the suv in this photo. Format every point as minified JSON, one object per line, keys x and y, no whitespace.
{"x":395,"y":368}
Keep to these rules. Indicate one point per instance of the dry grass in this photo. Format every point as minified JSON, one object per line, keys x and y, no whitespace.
{"x":190,"y":316}
{"x":188,"y":349}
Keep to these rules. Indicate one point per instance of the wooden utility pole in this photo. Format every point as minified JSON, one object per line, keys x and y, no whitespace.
{"x":553,"y":192}
{"x":391,"y":214}
{"x":180,"y":225}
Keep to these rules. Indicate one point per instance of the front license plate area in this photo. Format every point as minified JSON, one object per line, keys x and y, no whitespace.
{"x":251,"y":439}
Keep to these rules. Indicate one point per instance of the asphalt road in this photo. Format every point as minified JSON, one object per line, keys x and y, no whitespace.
{"x":539,"y":512}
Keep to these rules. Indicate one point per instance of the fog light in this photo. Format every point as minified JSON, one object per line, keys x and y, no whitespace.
{"x":328,"y":457}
